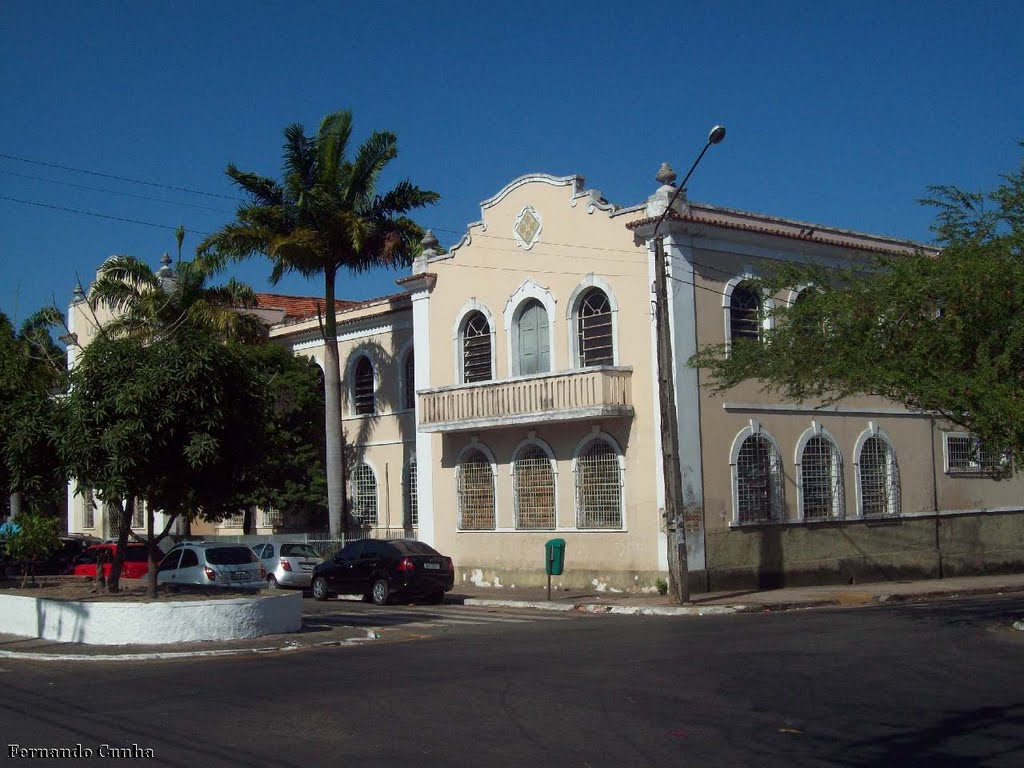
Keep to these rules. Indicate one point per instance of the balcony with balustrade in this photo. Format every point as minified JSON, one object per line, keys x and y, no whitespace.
{"x":589,"y":393}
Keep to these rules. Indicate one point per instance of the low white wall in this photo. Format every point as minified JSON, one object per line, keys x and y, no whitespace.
{"x":157,"y":623}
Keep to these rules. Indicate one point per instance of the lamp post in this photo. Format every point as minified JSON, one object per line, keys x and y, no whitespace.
{"x":675,"y":524}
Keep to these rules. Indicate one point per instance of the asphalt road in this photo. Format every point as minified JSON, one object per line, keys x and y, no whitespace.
{"x":938,"y":684}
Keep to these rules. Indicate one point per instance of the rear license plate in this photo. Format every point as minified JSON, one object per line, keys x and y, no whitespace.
{"x":432,"y":566}
{"x":240,"y":576}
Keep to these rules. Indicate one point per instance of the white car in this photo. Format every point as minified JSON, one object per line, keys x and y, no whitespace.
{"x":211,"y":564}
{"x":288,"y":563}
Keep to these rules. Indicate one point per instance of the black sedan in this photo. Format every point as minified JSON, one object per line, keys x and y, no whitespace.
{"x":381,"y":570}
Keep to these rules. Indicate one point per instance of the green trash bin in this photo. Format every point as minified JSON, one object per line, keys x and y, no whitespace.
{"x":554,"y":560}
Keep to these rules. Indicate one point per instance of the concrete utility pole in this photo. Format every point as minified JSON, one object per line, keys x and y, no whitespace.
{"x":675,"y":524}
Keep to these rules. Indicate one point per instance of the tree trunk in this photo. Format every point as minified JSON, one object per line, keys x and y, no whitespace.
{"x":124,"y":526}
{"x":249,"y":520}
{"x":335,"y":432}
{"x":152,"y":550}
{"x":17,"y":500}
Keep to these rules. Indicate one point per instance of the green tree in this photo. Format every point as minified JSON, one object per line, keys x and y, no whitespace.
{"x":941,"y":333}
{"x":325,"y":216}
{"x":32,"y":370}
{"x":36,"y":538}
{"x":177,"y":422}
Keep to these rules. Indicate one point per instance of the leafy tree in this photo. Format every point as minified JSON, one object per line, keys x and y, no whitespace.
{"x":941,"y":333}
{"x":177,"y":422}
{"x":291,"y":475}
{"x":323,"y":217}
{"x":36,"y":538}
{"x":32,"y":369}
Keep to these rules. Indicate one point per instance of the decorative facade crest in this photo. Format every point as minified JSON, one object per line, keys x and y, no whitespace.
{"x":527,"y":227}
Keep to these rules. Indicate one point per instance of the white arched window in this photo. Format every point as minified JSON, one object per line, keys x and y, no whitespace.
{"x":747,"y":310}
{"x":595,"y":338}
{"x":364,"y":495}
{"x":532,"y":331}
{"x":598,"y":480}
{"x":878,"y":475}
{"x":533,"y":488}
{"x":475,"y":352}
{"x":474,"y":477}
{"x":819,"y":473}
{"x":364,"y":400}
{"x":756,"y":466}
{"x":412,"y":518}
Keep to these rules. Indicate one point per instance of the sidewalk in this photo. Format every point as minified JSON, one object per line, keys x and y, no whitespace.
{"x":13,"y":647}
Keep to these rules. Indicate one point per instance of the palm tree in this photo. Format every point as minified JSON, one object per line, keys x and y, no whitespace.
{"x":324,"y":216}
{"x":154,"y":305}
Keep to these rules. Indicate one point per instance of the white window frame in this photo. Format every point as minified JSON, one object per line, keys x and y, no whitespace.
{"x":350,"y":376}
{"x":410,"y":490}
{"x":572,"y":317}
{"x":525,"y":445}
{"x":406,"y":353}
{"x":767,"y":306}
{"x":977,"y":467}
{"x":838,"y":491}
{"x":892,"y":473}
{"x":513,"y":309}
{"x":458,"y":329}
{"x":487,"y":454}
{"x":376,"y":494}
{"x":755,"y":428}
{"x":611,"y":442}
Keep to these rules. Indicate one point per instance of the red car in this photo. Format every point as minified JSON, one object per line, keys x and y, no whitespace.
{"x":135,"y":566}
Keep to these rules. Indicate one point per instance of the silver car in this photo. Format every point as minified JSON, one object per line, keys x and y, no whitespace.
{"x":287,"y":563}
{"x":210,"y":564}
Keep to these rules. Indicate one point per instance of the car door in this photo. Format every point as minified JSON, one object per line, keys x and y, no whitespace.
{"x":189,"y":570}
{"x":370,"y":560}
{"x":168,"y":568}
{"x":340,"y":576}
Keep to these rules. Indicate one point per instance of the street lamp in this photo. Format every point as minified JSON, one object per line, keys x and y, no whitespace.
{"x":675,"y":526}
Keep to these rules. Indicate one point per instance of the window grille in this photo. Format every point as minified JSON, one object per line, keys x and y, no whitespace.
{"x":534,"y":490}
{"x":412,"y":515}
{"x":745,"y":313}
{"x":598,"y":487}
{"x":410,"y":381}
{"x":821,"y":480}
{"x":476,"y":349}
{"x":139,"y":514}
{"x":879,"y":479}
{"x":89,"y":509}
{"x":594,"y":327}
{"x":966,"y":454}
{"x":758,"y":481}
{"x":364,"y":495}
{"x":363,"y":387}
{"x":475,"y":480}
{"x":271,"y":518}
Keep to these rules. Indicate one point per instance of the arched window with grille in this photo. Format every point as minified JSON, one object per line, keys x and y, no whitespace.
{"x":878,"y":477}
{"x":364,"y":399}
{"x":598,"y":481}
{"x":757,"y":478}
{"x":475,"y":479}
{"x":820,"y":477}
{"x":412,"y":518}
{"x":594,"y":333}
{"x":475,"y":344}
{"x":364,"y":495}
{"x":533,"y":488}
{"x":746,"y":312}
{"x":409,"y":381}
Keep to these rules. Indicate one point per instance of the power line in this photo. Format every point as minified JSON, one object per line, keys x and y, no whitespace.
{"x":120,"y":178}
{"x":99,"y":215}
{"x":114,"y":192}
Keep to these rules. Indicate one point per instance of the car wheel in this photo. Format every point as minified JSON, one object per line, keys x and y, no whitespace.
{"x":319,"y":588}
{"x":381,"y":592}
{"x":272,"y":582}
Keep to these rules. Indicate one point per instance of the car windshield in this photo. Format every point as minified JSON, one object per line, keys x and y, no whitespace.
{"x":298,"y":550}
{"x":410,"y":547}
{"x":230,"y":556}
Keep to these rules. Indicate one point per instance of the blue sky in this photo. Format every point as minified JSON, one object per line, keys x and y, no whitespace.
{"x":837,"y":113}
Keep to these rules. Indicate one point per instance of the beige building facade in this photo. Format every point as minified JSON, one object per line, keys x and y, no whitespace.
{"x":508,"y":395}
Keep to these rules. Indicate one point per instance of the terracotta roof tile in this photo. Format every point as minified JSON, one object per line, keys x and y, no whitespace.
{"x":297,"y":307}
